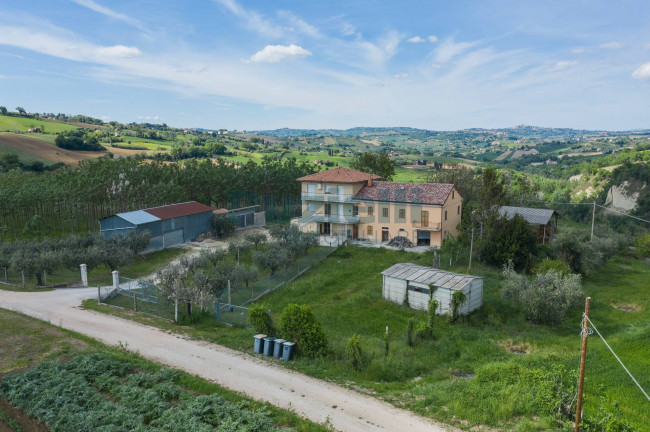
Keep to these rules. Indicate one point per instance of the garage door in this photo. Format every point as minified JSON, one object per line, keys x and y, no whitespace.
{"x":172,"y":238}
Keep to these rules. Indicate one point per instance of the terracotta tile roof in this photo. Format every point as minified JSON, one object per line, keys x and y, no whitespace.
{"x":340,"y":175}
{"x":177,"y":210}
{"x":412,"y":193}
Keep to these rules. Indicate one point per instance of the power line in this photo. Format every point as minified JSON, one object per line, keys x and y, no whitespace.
{"x":584,"y":316}
{"x":621,"y":213}
{"x":589,"y":204}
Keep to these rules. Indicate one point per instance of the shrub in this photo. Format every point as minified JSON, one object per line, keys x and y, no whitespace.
{"x":433,"y":307}
{"x":643,"y":245}
{"x":458,"y":299}
{"x":583,"y":256}
{"x":546,"y":298}
{"x":409,"y":332}
{"x":353,"y":352}
{"x":298,"y":324}
{"x":510,"y":240}
{"x":260,"y":319}
{"x":557,"y":265}
{"x":423,"y":331}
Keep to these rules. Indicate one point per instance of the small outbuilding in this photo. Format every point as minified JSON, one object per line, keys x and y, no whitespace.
{"x":411,"y":282}
{"x":244,"y":217}
{"x":543,"y":221}
{"x":169,"y":225}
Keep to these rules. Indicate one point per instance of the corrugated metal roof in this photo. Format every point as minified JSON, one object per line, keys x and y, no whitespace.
{"x":138,"y":217}
{"x":177,"y":210}
{"x":533,"y":216}
{"x":428,"y":275}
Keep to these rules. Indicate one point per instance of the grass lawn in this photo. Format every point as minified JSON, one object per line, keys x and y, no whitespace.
{"x":26,"y":342}
{"x":10,"y":123}
{"x":496,"y":344}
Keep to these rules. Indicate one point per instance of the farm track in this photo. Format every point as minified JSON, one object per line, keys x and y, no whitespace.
{"x":319,"y":401}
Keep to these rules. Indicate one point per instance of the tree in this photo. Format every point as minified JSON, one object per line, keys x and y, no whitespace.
{"x":298,"y":324}
{"x":273,"y":259}
{"x":573,"y":247}
{"x":375,"y":163}
{"x":3,"y":110}
{"x":238,"y":247}
{"x":221,"y":226}
{"x":256,"y":238}
{"x":544,"y":299}
{"x":21,"y":110}
{"x":510,"y":240}
{"x":643,"y":245}
{"x":115,"y":254}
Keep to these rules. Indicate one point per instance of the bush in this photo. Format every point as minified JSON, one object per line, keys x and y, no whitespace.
{"x":353,"y":352}
{"x":546,"y":298}
{"x":557,"y":265}
{"x":423,"y":332}
{"x":298,"y":324}
{"x":409,"y":332}
{"x":643,"y":245}
{"x":260,"y":319}
{"x":458,"y":299}
{"x":583,"y":256}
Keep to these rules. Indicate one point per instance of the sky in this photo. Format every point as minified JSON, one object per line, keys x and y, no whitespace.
{"x":253,"y":65}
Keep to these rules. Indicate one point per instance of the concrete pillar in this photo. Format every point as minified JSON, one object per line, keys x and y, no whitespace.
{"x":84,"y":275}
{"x":116,"y":280}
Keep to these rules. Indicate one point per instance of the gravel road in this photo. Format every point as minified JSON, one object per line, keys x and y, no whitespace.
{"x":319,"y":401}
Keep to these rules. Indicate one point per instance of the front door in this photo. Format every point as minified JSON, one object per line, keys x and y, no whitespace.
{"x":355,"y":232}
{"x":384,"y":234}
{"x":325,"y":228}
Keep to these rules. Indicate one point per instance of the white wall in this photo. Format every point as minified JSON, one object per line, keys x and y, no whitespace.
{"x":394,"y":290}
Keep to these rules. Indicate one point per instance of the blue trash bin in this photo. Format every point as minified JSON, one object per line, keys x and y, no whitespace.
{"x":287,"y":351}
{"x":277,"y":347}
{"x":259,"y":343}
{"x":268,"y":346}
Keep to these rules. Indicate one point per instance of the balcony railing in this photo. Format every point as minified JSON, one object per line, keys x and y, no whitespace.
{"x":436,"y":226}
{"x":340,"y":198}
{"x":335,"y":218}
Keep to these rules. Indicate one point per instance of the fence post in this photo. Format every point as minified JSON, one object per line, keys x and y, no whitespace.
{"x":135,"y":303}
{"x":84,"y":275}
{"x":116,"y":280}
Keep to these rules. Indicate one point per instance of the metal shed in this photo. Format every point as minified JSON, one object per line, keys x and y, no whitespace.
{"x":415,"y":280}
{"x":169,"y":225}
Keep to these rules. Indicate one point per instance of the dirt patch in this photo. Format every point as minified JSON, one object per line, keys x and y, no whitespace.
{"x":373,"y":142}
{"x":502,"y":156}
{"x":27,"y":423}
{"x":627,"y":307}
{"x":521,"y":153}
{"x":46,"y":150}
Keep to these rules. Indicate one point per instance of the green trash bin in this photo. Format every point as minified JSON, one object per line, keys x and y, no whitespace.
{"x":259,"y":343}
{"x":287,"y":351}
{"x":268,"y":346}
{"x":277,"y":347}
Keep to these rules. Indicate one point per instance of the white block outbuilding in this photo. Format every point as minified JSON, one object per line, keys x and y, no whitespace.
{"x":417,"y":280}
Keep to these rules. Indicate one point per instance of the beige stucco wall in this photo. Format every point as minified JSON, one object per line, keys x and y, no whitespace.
{"x":454,"y":208}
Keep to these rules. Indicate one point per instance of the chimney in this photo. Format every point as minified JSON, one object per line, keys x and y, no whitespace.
{"x":370,"y":180}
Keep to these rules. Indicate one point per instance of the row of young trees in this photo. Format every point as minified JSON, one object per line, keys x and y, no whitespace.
{"x":72,"y":200}
{"x":41,"y":257}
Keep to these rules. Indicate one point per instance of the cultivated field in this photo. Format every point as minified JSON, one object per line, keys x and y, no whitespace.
{"x":23,"y":124}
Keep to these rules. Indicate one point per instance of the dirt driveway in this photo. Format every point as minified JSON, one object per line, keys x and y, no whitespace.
{"x":319,"y":401}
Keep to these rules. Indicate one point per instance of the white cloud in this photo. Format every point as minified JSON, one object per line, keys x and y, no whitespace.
{"x":450,"y":49}
{"x":348,"y":29}
{"x":275,"y":53}
{"x":562,"y":65}
{"x":148,"y":118}
{"x":415,"y":39}
{"x":612,"y":45}
{"x":432,"y":38}
{"x":580,"y":50}
{"x":2,"y":77}
{"x":252,"y":19}
{"x":299,"y":25}
{"x":642,"y":72}
{"x":92,"y":5}
{"x":401,"y":76}
{"x":117,"y":51}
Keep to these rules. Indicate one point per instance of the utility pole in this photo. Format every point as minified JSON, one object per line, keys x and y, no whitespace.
{"x":593,"y":218}
{"x":583,"y":358}
{"x":471,"y":247}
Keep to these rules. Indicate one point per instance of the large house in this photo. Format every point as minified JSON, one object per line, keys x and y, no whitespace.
{"x":357,"y":205}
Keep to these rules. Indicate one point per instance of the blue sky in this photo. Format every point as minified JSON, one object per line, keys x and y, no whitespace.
{"x":240,"y":64}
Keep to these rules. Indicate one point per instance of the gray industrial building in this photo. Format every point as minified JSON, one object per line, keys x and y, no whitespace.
{"x":169,"y":225}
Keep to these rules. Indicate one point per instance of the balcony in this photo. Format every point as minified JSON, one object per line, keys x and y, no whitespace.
{"x":334,"y":218}
{"x":326,"y":197}
{"x":426,"y":225}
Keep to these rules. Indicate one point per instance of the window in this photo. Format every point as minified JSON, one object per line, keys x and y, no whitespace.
{"x":369,"y":229}
{"x":424,"y":219}
{"x":328,"y":189}
{"x":384,"y":212}
{"x":458,"y":210}
{"x":452,"y":194}
{"x":355,"y":210}
{"x":418,"y":289}
{"x":445,"y":214}
{"x":371,"y":211}
{"x":311,"y":207}
{"x":402,"y":213}
{"x":320,"y":186}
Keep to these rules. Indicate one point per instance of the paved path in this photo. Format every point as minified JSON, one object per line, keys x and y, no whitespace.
{"x":260,"y":379}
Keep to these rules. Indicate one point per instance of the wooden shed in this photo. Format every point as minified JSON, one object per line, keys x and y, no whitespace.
{"x":416,"y":280}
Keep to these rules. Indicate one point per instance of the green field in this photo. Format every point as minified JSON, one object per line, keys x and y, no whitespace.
{"x":70,"y":383}
{"x":496,"y":345}
{"x":23,"y":124}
